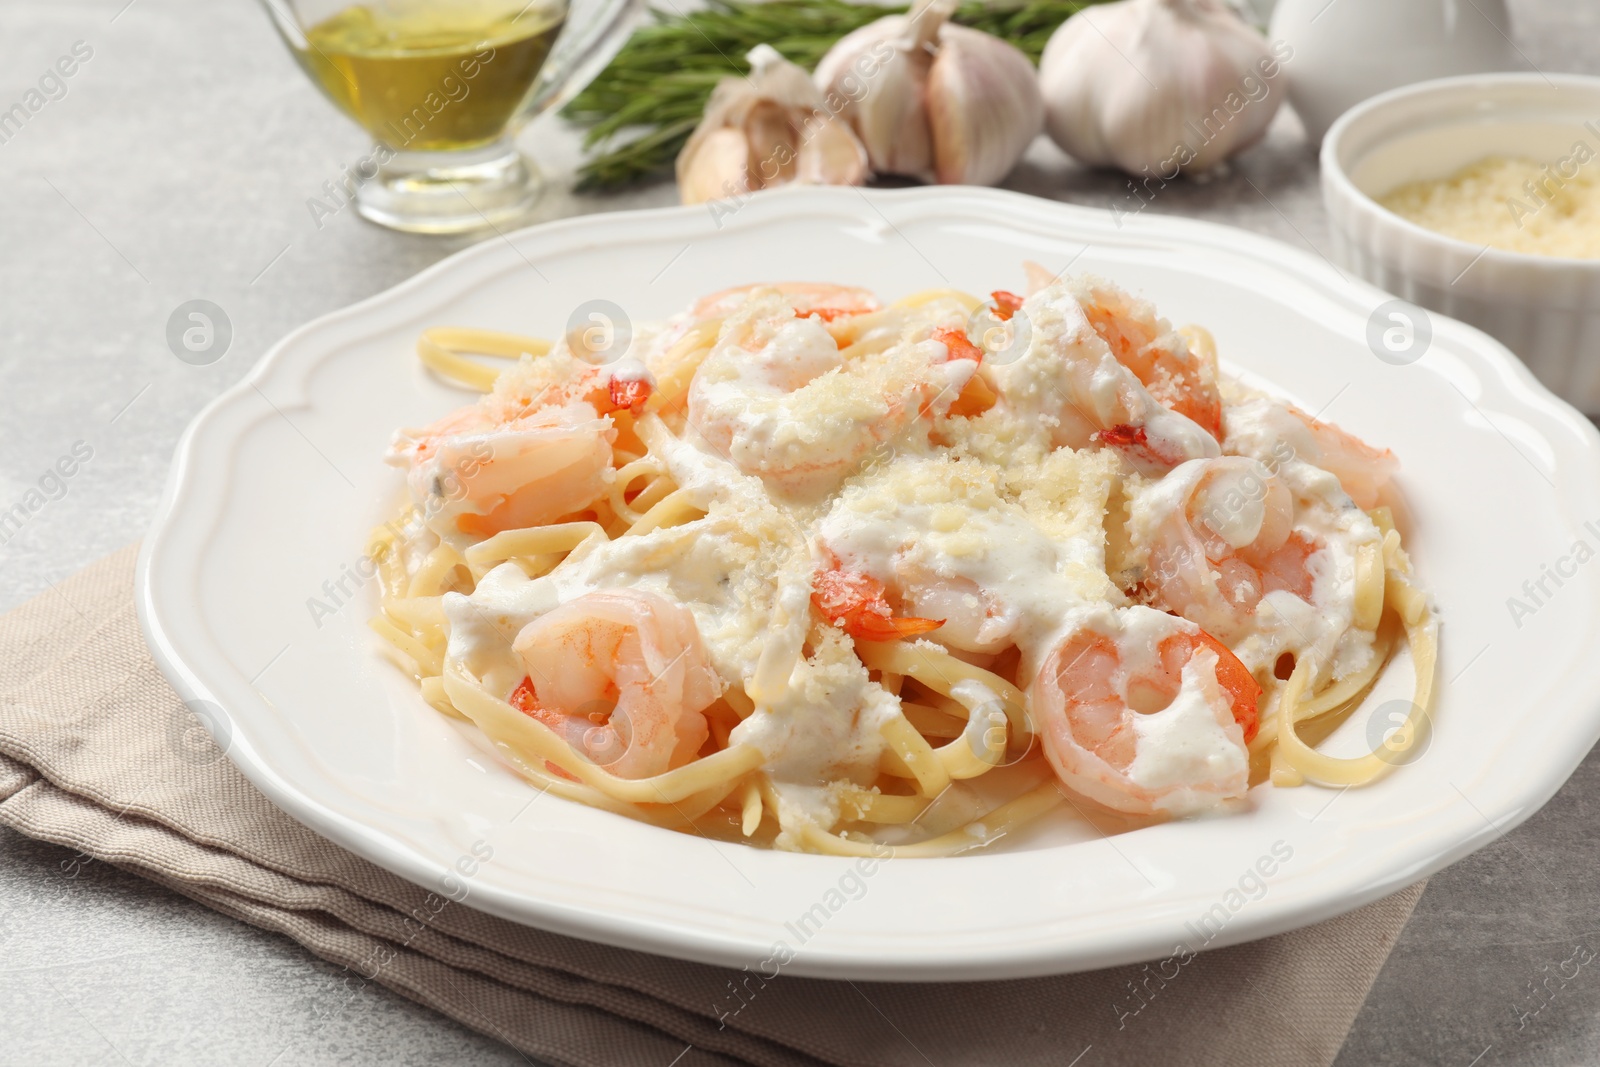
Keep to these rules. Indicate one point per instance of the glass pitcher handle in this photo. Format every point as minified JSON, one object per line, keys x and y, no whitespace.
{"x":596,"y":29}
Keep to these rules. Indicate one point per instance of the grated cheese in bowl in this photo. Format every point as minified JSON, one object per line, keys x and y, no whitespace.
{"x":1514,"y":204}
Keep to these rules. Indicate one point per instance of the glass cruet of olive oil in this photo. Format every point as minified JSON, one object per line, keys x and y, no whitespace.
{"x":443,"y":86}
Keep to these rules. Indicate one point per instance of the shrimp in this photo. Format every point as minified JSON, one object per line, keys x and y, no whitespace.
{"x":1006,"y":304}
{"x":1274,"y":430}
{"x":819,"y":299}
{"x":855,"y":603}
{"x":1176,"y":376}
{"x":1102,"y":370}
{"x":475,"y":477}
{"x":970,"y":619}
{"x":974,"y":618}
{"x":523,"y":455}
{"x":1277,"y":562}
{"x":1220,"y":536}
{"x":621,"y":675}
{"x":1147,"y":714}
{"x":938,"y":540}
{"x":1158,"y":356}
{"x":777,"y":399}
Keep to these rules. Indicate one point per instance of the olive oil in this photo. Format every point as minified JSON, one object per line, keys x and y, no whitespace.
{"x":431,"y":76}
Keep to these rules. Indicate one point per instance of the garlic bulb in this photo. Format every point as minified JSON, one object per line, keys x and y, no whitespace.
{"x":933,"y":100}
{"x":769,"y":129}
{"x":1159,"y":86}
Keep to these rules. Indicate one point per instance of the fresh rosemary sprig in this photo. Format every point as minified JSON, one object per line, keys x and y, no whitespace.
{"x":642,"y":108}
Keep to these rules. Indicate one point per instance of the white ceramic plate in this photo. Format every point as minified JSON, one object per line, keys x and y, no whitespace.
{"x":277,"y":483}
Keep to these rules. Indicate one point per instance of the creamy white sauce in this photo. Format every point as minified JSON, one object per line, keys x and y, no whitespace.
{"x":799,"y":460}
{"x":1070,"y":381}
{"x":940,"y":525}
{"x":1184,"y":751}
{"x":1324,"y":515}
{"x":629,"y":369}
{"x":776,"y":400}
{"x":791,"y":413}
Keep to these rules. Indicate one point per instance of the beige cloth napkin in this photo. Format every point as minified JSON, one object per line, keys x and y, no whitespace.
{"x":98,"y":754}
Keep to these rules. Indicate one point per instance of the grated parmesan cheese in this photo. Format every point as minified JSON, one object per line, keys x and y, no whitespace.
{"x":1512,"y":204}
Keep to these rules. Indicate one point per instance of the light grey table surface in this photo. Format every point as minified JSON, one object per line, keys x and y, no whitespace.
{"x":177,"y":166}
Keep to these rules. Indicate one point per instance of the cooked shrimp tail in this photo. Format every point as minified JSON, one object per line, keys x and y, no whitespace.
{"x":1148,"y":714}
{"x":855,"y":602}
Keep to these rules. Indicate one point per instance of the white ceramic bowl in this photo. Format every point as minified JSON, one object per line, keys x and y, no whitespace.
{"x":1545,"y":309}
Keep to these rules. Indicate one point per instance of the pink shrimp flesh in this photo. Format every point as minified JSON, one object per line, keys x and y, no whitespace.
{"x":1098,"y":697}
{"x":621,"y":675}
{"x":1227,"y":539}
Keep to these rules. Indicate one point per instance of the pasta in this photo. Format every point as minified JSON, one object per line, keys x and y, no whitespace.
{"x":810,"y":571}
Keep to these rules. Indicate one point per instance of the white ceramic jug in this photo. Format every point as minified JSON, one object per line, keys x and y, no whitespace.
{"x":1348,"y":50}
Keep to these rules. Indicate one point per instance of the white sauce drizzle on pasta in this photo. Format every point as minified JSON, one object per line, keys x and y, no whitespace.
{"x":885,"y":544}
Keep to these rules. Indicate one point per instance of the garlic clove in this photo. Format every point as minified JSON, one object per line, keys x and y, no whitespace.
{"x":854,"y":59}
{"x":830,"y":154}
{"x":1241,"y":52}
{"x":714,"y":161}
{"x":933,"y":100}
{"x":984,"y":107}
{"x":773,"y":144}
{"x":774,"y":78}
{"x":714,"y":167}
{"x":758,"y":132}
{"x":892,"y":117}
{"x":1074,"y":117}
{"x":1158,"y":86}
{"x":875,"y":78}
